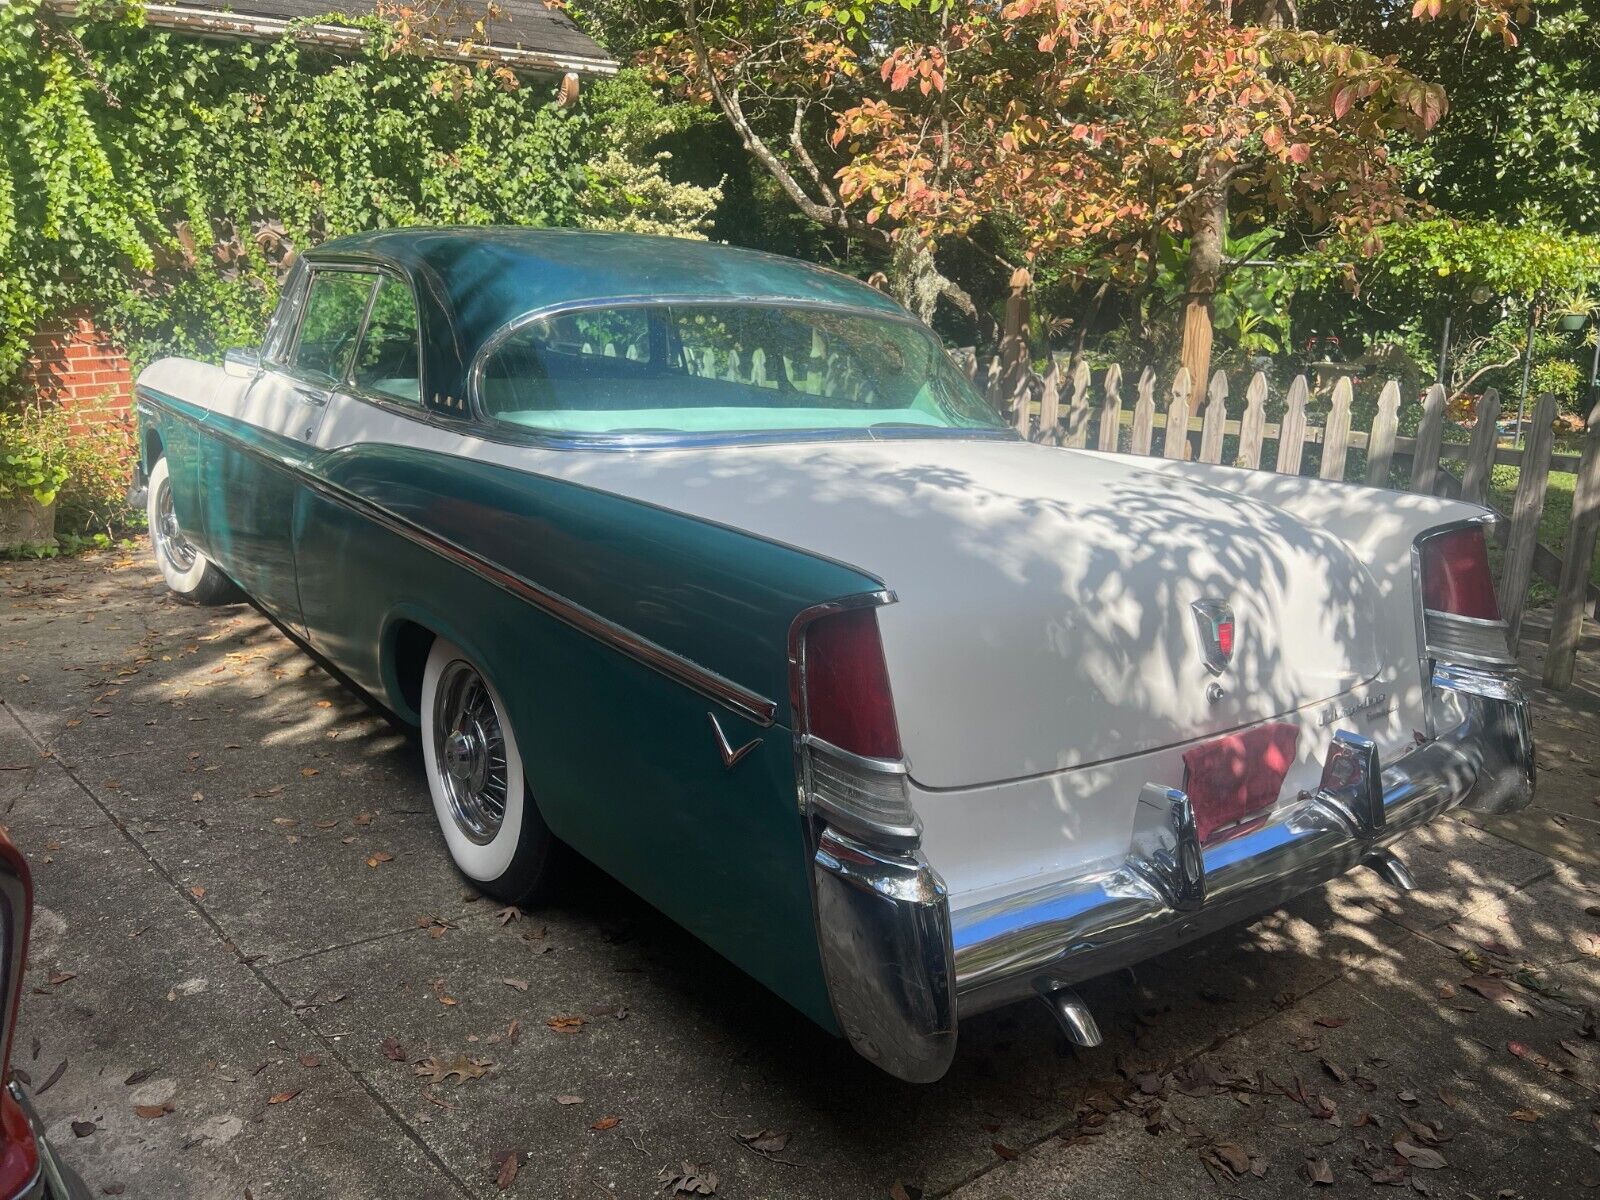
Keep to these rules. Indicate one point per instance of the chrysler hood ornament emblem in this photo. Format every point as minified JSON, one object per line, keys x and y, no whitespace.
{"x":1214,"y":621}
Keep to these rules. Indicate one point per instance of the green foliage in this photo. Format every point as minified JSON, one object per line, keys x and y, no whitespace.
{"x":32,"y":458}
{"x":163,"y":181}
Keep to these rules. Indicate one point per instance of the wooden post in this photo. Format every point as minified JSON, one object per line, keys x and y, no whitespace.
{"x":1144,"y":412}
{"x":1526,"y":509}
{"x":1253,"y":425}
{"x":1380,"y":442}
{"x":1176,"y":443}
{"x":1049,"y":405}
{"x":1077,"y":430}
{"x":1336,"y":433}
{"x":1425,"y":457}
{"x":1292,"y":430}
{"x":1111,"y":410}
{"x":1566,"y":624}
{"x":1215,"y":425}
{"x":1480,"y":455}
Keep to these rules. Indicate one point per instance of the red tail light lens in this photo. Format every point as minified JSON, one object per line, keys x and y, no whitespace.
{"x":1455,"y":574}
{"x":847,"y":685}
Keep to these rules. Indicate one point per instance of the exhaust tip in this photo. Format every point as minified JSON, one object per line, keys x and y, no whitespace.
{"x":1073,"y":1015}
{"x":1391,"y":870}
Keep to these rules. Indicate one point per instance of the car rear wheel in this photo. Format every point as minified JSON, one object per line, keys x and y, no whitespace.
{"x":480,"y":794}
{"x":189,"y":574}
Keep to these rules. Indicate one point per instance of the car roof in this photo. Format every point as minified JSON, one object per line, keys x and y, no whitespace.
{"x":488,"y":275}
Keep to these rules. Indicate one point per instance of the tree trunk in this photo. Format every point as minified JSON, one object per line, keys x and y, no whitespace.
{"x":1208,"y":224}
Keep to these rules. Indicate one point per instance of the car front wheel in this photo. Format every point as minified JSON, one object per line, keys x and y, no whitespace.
{"x":480,"y":795}
{"x":189,"y":574}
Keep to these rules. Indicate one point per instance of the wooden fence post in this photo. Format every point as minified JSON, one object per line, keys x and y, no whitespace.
{"x":1380,"y":442}
{"x":1480,"y":455}
{"x":1111,"y":409}
{"x":1253,"y":425}
{"x":1566,"y":624}
{"x":1336,"y":433}
{"x":1144,"y":412}
{"x":1176,"y":442}
{"x":1292,"y":430}
{"x":1430,"y":433}
{"x":1049,"y":405}
{"x":1077,"y":430}
{"x":1215,"y":426}
{"x":1525,"y":511}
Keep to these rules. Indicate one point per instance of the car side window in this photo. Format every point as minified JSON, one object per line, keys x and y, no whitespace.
{"x":389,"y":361}
{"x":279,"y":337}
{"x":331,"y":322}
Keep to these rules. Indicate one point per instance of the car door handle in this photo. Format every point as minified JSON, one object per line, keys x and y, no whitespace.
{"x":311,"y":396}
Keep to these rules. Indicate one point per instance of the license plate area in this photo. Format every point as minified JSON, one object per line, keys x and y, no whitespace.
{"x":1233,"y":781}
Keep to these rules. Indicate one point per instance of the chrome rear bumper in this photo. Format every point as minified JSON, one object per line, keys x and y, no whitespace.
{"x":901,"y":966}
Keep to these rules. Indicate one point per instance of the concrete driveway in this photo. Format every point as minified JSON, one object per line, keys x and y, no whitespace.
{"x":254,"y":973}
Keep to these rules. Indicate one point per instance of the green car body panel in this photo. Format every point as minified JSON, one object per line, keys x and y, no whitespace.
{"x":619,"y":756}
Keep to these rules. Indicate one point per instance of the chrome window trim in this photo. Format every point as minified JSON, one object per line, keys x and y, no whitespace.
{"x":289,"y":367}
{"x":700,"y":679}
{"x":560,"y":441}
{"x":349,"y":385}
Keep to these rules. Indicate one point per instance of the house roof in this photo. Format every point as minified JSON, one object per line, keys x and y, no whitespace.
{"x":524,"y":34}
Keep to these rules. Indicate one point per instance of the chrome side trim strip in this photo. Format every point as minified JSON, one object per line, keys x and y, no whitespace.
{"x":708,"y":683}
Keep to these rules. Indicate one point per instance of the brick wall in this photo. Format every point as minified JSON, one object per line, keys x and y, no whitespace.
{"x":76,"y":364}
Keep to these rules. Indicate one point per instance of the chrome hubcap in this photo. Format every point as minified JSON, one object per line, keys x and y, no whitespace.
{"x":171,"y":543}
{"x":470,"y":753}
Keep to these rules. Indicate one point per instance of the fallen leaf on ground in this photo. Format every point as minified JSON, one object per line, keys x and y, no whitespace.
{"x":606,"y":1123}
{"x":198,"y":892}
{"x":569,"y":1099}
{"x":61,"y":977}
{"x":83,"y":1128}
{"x":1317,"y":1170}
{"x":283,"y":1097}
{"x":772,"y":1141}
{"x":520,"y":984}
{"x":308,"y":772}
{"x":1525,"y":1114}
{"x":379,"y":856}
{"x":150,"y":1112}
{"x":506,"y":1168}
{"x":1331,"y":1022}
{"x":1419,"y":1156}
{"x":462,"y":1068}
{"x":508,"y":914}
{"x":52,"y":1078}
{"x":568,"y":1025}
{"x":692,"y":1180}
{"x":310,"y":1060}
{"x":392,"y":1050}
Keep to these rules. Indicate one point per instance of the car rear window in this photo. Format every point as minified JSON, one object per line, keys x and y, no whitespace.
{"x":712,"y":368}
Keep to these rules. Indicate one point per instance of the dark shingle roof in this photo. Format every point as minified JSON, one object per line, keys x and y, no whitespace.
{"x":527,"y":26}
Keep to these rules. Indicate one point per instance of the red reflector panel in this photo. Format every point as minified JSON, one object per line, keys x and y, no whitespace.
{"x":1455,"y":574}
{"x":1225,"y":638}
{"x":847,"y":685}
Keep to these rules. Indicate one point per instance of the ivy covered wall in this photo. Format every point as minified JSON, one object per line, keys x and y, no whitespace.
{"x":161,"y":181}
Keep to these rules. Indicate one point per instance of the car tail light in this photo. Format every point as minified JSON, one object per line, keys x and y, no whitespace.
{"x":19,"y":1154}
{"x":1460,"y":614}
{"x":853,"y":769}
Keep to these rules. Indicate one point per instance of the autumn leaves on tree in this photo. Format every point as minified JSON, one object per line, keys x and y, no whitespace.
{"x":1069,"y":132}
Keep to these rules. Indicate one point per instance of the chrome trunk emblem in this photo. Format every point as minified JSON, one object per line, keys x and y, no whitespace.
{"x":1214,"y":621}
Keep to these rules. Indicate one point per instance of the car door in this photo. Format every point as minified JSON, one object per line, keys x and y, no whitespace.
{"x":254,"y":493}
{"x":345,"y":588}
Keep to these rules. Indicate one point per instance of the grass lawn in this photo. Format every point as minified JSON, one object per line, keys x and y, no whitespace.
{"x":1553,"y":523}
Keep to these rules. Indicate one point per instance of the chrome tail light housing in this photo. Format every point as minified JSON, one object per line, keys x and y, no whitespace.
{"x":1460,"y":614}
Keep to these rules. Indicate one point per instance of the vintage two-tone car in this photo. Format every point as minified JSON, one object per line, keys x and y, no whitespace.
{"x":711,"y":566}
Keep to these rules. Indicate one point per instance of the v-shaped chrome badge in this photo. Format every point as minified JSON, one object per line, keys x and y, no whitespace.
{"x":730,"y":756}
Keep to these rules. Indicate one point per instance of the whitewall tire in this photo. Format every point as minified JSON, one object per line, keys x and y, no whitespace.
{"x":475,"y":776}
{"x":189,"y":574}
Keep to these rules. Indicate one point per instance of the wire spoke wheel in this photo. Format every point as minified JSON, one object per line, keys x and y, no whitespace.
{"x":169,"y":539}
{"x":470,"y":753}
